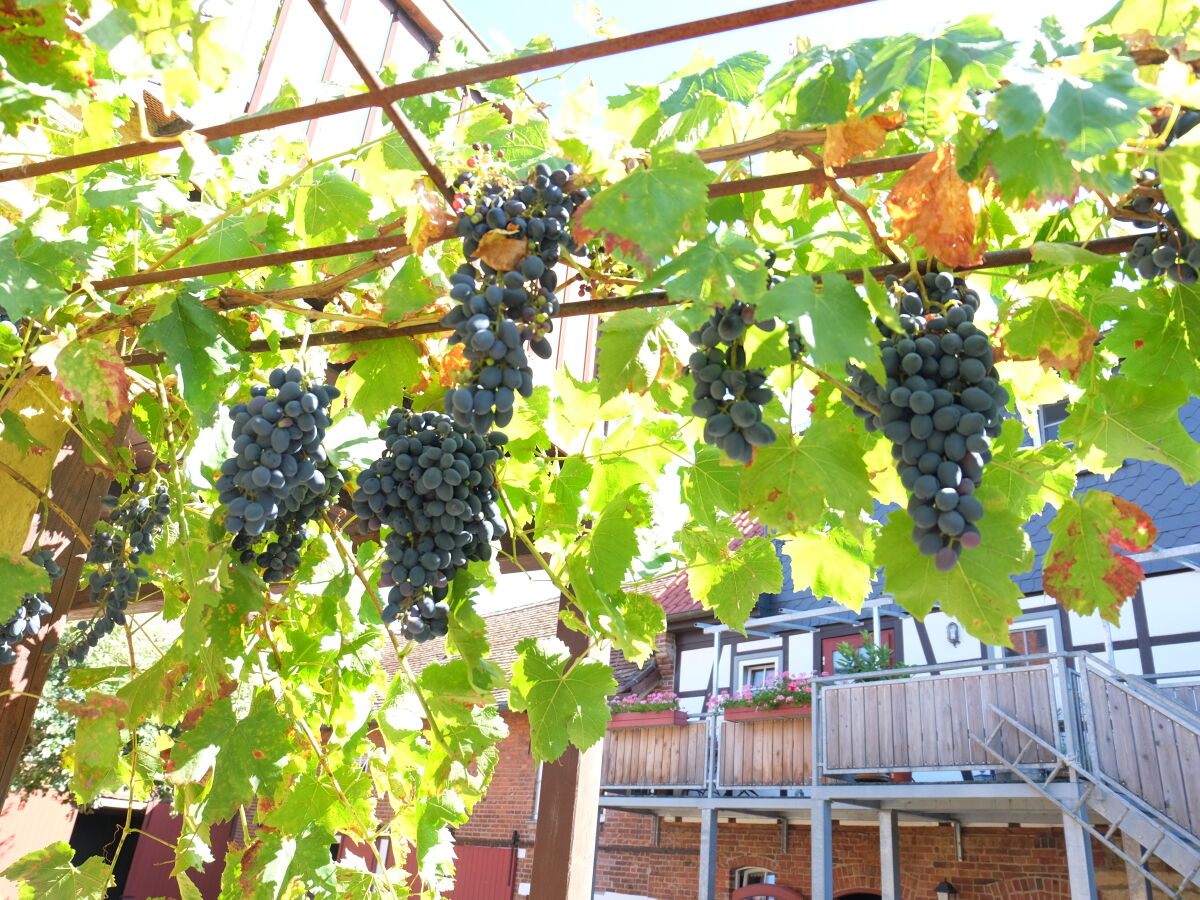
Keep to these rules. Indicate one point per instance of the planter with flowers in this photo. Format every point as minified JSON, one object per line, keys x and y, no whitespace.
{"x":783,"y":696}
{"x":632,"y":711}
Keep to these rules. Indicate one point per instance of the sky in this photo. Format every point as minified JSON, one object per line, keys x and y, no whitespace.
{"x":508,"y":24}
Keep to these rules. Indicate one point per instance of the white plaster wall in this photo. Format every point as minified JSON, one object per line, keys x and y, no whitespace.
{"x":1090,"y":629}
{"x":1177,"y":657}
{"x":765,"y":644}
{"x":943,"y":651}
{"x":1126,"y":660}
{"x":692,"y":705}
{"x":695,"y":669}
{"x":1173,"y":604}
{"x":800,"y":651}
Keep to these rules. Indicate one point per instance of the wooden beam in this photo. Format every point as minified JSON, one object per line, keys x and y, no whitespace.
{"x":564,"y":850}
{"x":77,"y":489}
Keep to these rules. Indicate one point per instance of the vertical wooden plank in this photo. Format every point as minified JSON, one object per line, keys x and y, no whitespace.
{"x":1042,"y":695}
{"x":831,"y":721}
{"x":1147,"y":757}
{"x":845,"y":729}
{"x":1102,"y":728}
{"x":1121,"y":725}
{"x":883,"y":720}
{"x":1023,"y":703}
{"x":870,"y":733}
{"x":929,"y":722}
{"x":960,"y":752}
{"x":974,"y":718}
{"x":912,"y":721}
{"x":1006,"y":700}
{"x":987,"y":698}
{"x":77,"y":489}
{"x":1166,"y":747}
{"x":858,"y":720}
{"x":900,"y":694}
{"x":1189,"y":760}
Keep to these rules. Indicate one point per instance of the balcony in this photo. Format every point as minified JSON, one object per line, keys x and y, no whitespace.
{"x":1038,"y":718}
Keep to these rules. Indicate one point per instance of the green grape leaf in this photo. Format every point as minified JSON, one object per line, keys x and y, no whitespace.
{"x":644,"y":215}
{"x":563,"y":704}
{"x":92,"y":374}
{"x":199,"y":348}
{"x":1082,"y":571}
{"x":838,"y":565}
{"x":717,"y":270}
{"x":230,"y":240}
{"x":452,"y":682}
{"x":791,"y":484}
{"x":527,"y":145}
{"x":333,"y":204}
{"x":979,"y":591}
{"x":276,"y":862}
{"x":383,"y":369}
{"x":729,"y":583}
{"x":709,"y":486}
{"x":625,"y":361}
{"x":467,"y":636}
{"x":834,"y":321}
{"x":1029,"y":167}
{"x":1119,"y":420}
{"x":1159,"y":332}
{"x":629,"y":620}
{"x":614,"y":541}
{"x":1029,"y":478}
{"x":412,"y":288}
{"x":35,"y":266}
{"x":18,"y":577}
{"x":736,"y":79}
{"x":1179,"y":168}
{"x":1050,"y":331}
{"x":1097,"y":102}
{"x":98,"y":741}
{"x":49,"y":874}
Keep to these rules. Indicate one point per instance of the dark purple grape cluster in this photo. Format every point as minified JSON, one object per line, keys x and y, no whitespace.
{"x":434,"y":489}
{"x":727,"y":395}
{"x":117,"y":546}
{"x":500,"y":313}
{"x":940,"y":406}
{"x":26,"y":622}
{"x":280,"y":478}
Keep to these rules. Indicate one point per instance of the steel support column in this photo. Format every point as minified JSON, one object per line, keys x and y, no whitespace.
{"x":822,"y":850}
{"x":1079,"y":858}
{"x":889,"y":854}
{"x":1139,"y":885}
{"x":707,"y":876}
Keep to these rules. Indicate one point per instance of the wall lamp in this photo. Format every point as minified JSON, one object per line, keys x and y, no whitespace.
{"x":946,"y":891}
{"x":952,"y":634}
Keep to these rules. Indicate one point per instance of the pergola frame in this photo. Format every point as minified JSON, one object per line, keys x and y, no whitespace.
{"x":563,"y":859}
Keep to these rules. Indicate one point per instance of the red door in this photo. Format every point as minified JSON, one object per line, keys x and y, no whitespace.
{"x":887,"y":637}
{"x":483,"y":873}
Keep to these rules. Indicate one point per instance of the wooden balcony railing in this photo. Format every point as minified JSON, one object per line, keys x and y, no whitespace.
{"x":1117,"y":726}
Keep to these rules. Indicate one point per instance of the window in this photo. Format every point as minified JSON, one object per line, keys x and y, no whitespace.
{"x":754,"y":675}
{"x":747,"y":875}
{"x":1029,"y":641}
{"x":1046,"y":426}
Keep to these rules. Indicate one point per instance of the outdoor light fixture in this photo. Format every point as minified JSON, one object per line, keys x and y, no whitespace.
{"x":954,"y":639}
{"x":945,"y":891}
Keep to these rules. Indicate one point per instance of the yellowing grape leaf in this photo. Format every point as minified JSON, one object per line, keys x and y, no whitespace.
{"x":1082,"y":571}
{"x":934,"y":207}
{"x":856,"y":137}
{"x":91,"y":373}
{"x":1058,"y":336}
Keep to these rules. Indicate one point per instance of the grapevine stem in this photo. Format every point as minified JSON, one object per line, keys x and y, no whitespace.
{"x":840,"y":385}
{"x":44,"y":498}
{"x":308,"y":313}
{"x":401,"y":656}
{"x":520,"y":534}
{"x":854,"y":203}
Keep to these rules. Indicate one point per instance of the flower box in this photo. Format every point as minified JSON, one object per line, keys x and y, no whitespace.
{"x":646,"y":719}
{"x":784,"y":711}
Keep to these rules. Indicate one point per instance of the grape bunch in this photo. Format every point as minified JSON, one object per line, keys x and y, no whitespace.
{"x":727,"y":395}
{"x":940,"y":406}
{"x":26,"y":622}
{"x":116,"y":550}
{"x":280,"y":477}
{"x":434,"y":488}
{"x":498,"y":313}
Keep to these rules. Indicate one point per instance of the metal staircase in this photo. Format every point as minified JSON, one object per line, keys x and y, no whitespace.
{"x":1129,"y":819}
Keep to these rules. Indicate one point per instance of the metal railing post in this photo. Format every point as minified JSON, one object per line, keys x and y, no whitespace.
{"x":1070,"y":711}
{"x":818,"y":751}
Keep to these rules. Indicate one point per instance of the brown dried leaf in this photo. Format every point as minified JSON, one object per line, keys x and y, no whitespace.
{"x":501,"y":252}
{"x":435,"y":222}
{"x":858,"y":137}
{"x":932,"y":205}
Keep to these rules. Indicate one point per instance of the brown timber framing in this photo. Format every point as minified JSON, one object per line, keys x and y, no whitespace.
{"x":374,"y":86}
{"x":995,"y":259}
{"x":448,"y":81}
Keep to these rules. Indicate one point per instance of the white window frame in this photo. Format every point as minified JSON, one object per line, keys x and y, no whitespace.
{"x":742,"y":874}
{"x":755,"y":662}
{"x":1048,"y":620}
